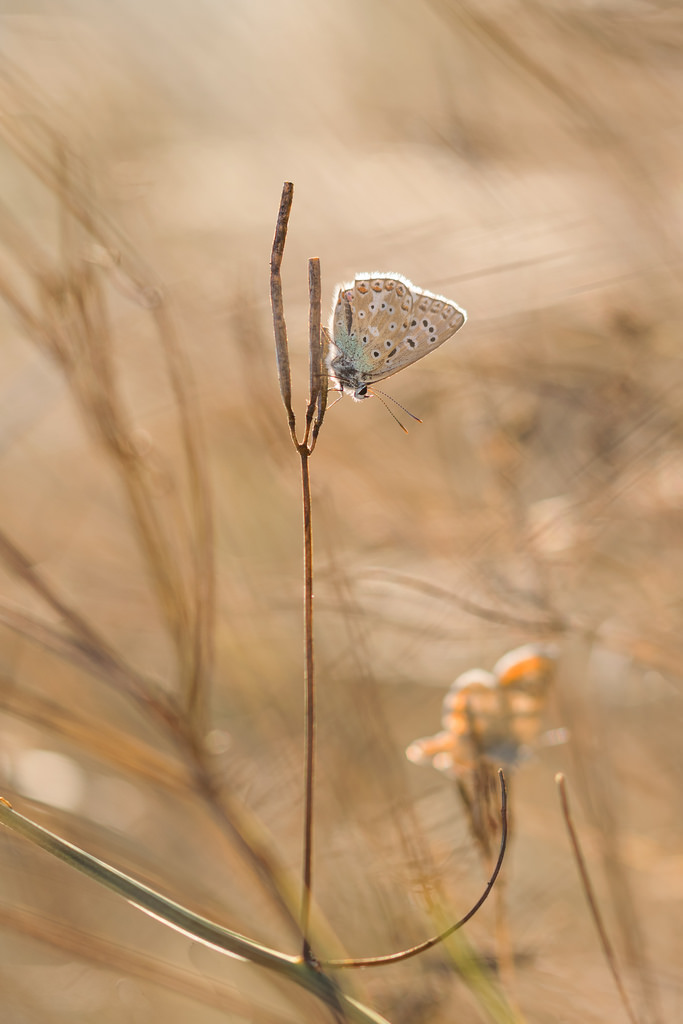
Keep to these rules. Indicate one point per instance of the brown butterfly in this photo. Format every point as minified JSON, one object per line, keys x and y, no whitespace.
{"x":494,"y":715}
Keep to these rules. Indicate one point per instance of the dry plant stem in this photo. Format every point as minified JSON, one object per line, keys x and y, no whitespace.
{"x":310,"y":710}
{"x":76,"y":332}
{"x":607,"y":949}
{"x":72,"y":326}
{"x":317,"y":402}
{"x":314,"y":417}
{"x":314,"y":342}
{"x":316,"y":407}
{"x":406,"y":954}
{"x":281,"y":347}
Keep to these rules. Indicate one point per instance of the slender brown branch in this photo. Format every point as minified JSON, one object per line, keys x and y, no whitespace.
{"x":589,"y":893}
{"x":310,"y":709}
{"x":406,"y":954}
{"x":281,"y":346}
{"x":314,"y":413}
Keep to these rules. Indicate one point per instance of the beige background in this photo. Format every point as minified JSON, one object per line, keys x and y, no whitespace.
{"x":521,"y":158}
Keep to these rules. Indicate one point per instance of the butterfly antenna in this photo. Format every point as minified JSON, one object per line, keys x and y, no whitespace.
{"x":406,"y":411}
{"x":393,"y":416}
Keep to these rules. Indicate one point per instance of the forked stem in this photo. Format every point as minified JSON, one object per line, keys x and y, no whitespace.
{"x":315,"y":412}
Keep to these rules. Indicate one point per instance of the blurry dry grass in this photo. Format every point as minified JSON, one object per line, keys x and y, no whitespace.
{"x":522,"y":158}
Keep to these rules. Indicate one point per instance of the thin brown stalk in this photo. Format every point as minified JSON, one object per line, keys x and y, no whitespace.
{"x":70,"y":323}
{"x":318,"y":383}
{"x":406,"y":954}
{"x":279,"y":325}
{"x":315,"y":408}
{"x":589,"y":893}
{"x":310,"y":708}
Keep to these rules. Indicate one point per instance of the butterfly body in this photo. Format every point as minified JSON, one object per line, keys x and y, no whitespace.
{"x":382,"y":323}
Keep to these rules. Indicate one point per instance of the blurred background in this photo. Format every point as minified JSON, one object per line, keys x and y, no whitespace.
{"x":521,"y":158}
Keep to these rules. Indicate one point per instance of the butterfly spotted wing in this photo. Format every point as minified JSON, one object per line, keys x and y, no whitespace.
{"x":382,"y":323}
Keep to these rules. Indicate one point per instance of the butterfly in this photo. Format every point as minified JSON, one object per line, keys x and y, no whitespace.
{"x":381,"y":323}
{"x":494,"y":715}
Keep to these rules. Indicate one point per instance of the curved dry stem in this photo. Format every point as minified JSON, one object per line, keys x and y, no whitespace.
{"x":406,"y":954}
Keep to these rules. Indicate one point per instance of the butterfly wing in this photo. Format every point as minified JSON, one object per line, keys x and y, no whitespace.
{"x":382,"y":323}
